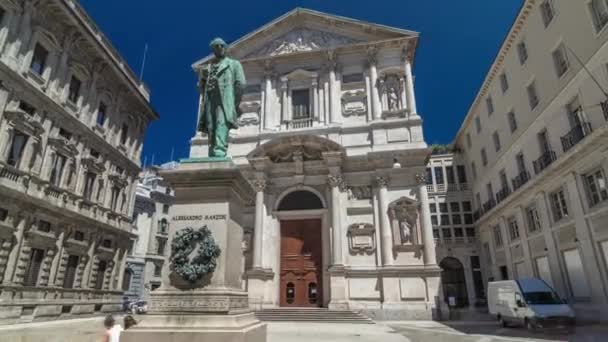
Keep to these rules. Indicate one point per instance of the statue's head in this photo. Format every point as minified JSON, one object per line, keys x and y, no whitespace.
{"x":218,"y":45}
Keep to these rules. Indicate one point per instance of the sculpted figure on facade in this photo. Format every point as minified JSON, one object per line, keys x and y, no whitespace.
{"x":222,"y":83}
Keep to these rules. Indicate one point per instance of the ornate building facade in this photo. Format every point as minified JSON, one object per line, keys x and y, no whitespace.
{"x":151,"y":218}
{"x":72,"y":123}
{"x":332,"y":142}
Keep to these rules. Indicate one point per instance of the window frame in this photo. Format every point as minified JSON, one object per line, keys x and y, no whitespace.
{"x":490,"y":105}
{"x":559,"y":204}
{"x":547,"y":17}
{"x":533,"y":219}
{"x":512,"y":121}
{"x":595,"y":16}
{"x":533,"y":97}
{"x":561,"y":66}
{"x":504,"y":82}
{"x":596,"y":188}
{"x":497,"y":234}
{"x":513,"y":225}
{"x":522,"y":52}
{"x":39,"y":47}
{"x":496,"y":140}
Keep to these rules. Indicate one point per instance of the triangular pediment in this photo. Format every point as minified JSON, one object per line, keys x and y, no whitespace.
{"x":304,"y":30}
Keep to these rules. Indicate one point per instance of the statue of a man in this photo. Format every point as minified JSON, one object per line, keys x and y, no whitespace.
{"x":221,"y":83}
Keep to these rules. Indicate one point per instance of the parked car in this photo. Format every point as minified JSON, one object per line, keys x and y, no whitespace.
{"x":530,"y":302}
{"x":139,"y":307}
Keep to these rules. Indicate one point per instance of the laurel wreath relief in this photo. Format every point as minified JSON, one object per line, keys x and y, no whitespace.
{"x":203,"y":262}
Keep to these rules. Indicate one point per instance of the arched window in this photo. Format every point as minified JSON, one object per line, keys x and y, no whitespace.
{"x":301,"y":200}
{"x":312,"y":293}
{"x":164,"y":226}
{"x":290,"y":293}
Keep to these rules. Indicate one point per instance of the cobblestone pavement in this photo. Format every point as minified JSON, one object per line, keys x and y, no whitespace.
{"x":418,"y":331}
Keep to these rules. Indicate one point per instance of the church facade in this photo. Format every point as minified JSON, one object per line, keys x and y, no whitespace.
{"x":332,"y":143}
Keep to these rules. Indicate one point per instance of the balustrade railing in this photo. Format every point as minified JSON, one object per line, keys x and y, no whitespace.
{"x":299,"y":123}
{"x":521,"y":179}
{"x":503,"y":194}
{"x":489,"y":205}
{"x":544,"y":161}
{"x":575,"y":135}
{"x":9,"y":173}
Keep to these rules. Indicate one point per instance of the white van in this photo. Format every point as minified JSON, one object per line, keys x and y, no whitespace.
{"x":530,"y":302}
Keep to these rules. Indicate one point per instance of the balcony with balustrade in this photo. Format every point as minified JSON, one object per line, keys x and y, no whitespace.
{"x":544,"y":161}
{"x":576,"y":135}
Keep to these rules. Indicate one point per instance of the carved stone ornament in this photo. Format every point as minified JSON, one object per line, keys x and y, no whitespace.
{"x":336,"y":181}
{"x":203,"y":262}
{"x":24,"y":122}
{"x":359,"y":192}
{"x":354,"y":103}
{"x":420,"y":178}
{"x":361,"y":238}
{"x":301,"y":40}
{"x":382,"y":181}
{"x":259,"y":185}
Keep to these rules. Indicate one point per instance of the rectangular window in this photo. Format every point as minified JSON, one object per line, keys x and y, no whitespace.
{"x":599,"y":13}
{"x":435,"y":234}
{"x":504,"y":83}
{"x":462,"y":174}
{"x":101,"y":272}
{"x":484,"y":157}
{"x":474,"y":170}
{"x":533,"y":219}
{"x":596,"y":187}
{"x":39,"y":58}
{"x":466,"y":206}
{"x":478,"y":124}
{"x":447,"y":233}
{"x":455,"y":207}
{"x":558,"y":205}
{"x":512,"y":121}
{"x":443,"y":207}
{"x":78,"y":236}
{"x":560,"y":60}
{"x":161,"y":247}
{"x":458,"y":232}
{"x":165,"y":208}
{"x":439,"y":175}
{"x":101,"y":114}
{"x":33,"y":267}
{"x":445,"y":220}
{"x":114,"y":198}
{"x":468,"y":218}
{"x":429,"y":176}
{"x":469,"y":142}
{"x":17,"y":147}
{"x":513,"y":229}
{"x":70,"y":271}
{"x":44,"y":226}
{"x":433,"y":207}
{"x":107,"y":243}
{"x":89,"y":182}
{"x":456,"y":219}
{"x":522,"y":52}
{"x":490,"y":105}
{"x":3,"y":214}
{"x":504,"y":183}
{"x":497,"y":236}
{"x":490,"y":191}
{"x":74,"y":89}
{"x":547,"y":11}
{"x":157,"y":270}
{"x":124,"y":132}
{"x":496,"y":139}
{"x":57,"y":170}
{"x":449,"y":173}
{"x":521,"y":163}
{"x":27,"y":108}
{"x":470,"y":232}
{"x":434,"y":220}
{"x":532,"y":95}
{"x":300,"y":104}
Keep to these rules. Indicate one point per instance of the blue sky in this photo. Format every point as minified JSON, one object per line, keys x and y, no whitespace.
{"x":459,"y":40}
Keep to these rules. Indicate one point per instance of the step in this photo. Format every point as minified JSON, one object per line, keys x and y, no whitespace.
{"x":311,"y":315}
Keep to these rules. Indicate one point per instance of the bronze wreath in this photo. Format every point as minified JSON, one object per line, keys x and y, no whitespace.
{"x":203,"y":263}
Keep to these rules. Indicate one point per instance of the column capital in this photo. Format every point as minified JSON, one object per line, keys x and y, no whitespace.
{"x":372,"y":55}
{"x":259,"y":185}
{"x":420,"y":178}
{"x":332,"y":59}
{"x":382,"y":181}
{"x":336,"y":181}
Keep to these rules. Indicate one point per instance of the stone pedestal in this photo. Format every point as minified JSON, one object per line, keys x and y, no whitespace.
{"x":208,"y":192}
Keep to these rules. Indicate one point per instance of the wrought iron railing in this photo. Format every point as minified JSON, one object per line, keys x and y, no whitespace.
{"x":575,"y":135}
{"x":543,"y":161}
{"x":489,"y":205}
{"x":503,"y":194}
{"x":521,"y":179}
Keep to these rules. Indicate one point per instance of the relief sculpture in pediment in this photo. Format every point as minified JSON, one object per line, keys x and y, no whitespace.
{"x":300,"y":40}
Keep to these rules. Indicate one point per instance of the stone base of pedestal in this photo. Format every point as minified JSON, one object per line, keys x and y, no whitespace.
{"x":189,"y":328}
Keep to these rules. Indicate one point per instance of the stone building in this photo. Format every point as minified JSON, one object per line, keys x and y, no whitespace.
{"x":332,"y":143}
{"x":151,"y":218}
{"x":534,"y":142}
{"x":72,"y":122}
{"x":456,"y":237}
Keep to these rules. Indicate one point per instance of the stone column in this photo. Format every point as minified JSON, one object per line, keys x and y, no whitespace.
{"x":506,"y":243}
{"x":552,"y":251}
{"x":430,"y":258}
{"x":56,"y":263}
{"x":13,"y":256}
{"x":409,"y":87}
{"x":315,"y":100}
{"x":385,"y":224}
{"x":268,"y":119}
{"x":335,"y":182}
{"x":121,"y":269}
{"x":285,"y":105}
{"x":259,"y":186}
{"x":334,"y":104}
{"x":86,"y":278}
{"x":373,"y":73}
{"x":402,"y":93}
{"x":523,"y":233}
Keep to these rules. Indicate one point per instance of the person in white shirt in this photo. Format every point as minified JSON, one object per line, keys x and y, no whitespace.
{"x":113,"y":330}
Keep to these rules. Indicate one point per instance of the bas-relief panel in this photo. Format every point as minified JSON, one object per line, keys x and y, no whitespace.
{"x":356,"y":139}
{"x":410,"y":258}
{"x":364,"y":288}
{"x":401,"y":134}
{"x":412,"y":288}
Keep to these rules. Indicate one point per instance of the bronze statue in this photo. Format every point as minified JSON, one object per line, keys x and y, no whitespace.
{"x":221,"y":83}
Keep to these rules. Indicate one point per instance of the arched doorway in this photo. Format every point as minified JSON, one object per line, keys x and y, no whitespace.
{"x":453,"y":282}
{"x":301,"y":275}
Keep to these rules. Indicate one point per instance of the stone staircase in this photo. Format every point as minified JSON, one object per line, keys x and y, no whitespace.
{"x":320,"y":315}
